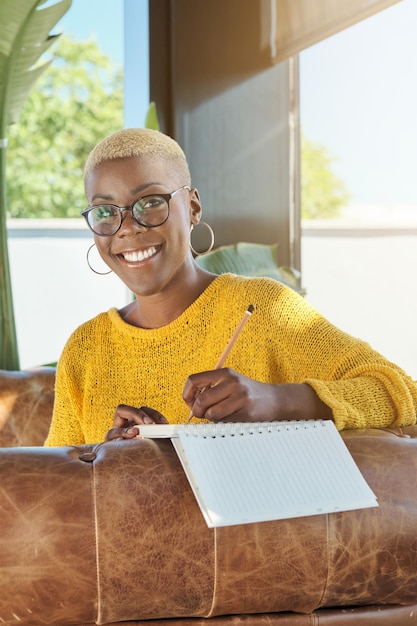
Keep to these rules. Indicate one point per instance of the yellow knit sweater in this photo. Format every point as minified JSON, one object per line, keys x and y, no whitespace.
{"x":107,"y":362}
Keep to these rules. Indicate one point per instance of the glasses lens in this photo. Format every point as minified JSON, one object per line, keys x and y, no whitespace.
{"x":151,"y":210}
{"x":104,"y":219}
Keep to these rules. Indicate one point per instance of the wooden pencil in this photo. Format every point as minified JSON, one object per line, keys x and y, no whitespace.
{"x":231,"y":343}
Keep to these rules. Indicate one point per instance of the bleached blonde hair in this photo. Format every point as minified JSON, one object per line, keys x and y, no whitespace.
{"x":137,"y":142}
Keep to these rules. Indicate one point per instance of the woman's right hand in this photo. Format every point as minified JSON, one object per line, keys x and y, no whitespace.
{"x":127,"y":420}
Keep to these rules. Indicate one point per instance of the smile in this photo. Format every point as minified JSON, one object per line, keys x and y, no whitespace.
{"x":133,"y":256}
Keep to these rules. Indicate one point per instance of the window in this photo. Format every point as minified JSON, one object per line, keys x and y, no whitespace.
{"x":357,"y":102}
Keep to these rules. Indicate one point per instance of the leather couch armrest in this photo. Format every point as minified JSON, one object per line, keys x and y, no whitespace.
{"x":26,"y":403}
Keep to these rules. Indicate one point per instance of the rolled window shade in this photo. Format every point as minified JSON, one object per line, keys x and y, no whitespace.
{"x":298,"y":24}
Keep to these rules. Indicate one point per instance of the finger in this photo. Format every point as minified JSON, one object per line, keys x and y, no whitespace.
{"x":125,"y":415}
{"x":117,"y":434}
{"x":228,"y":410}
{"x":196,"y":383}
{"x":216,"y":403}
{"x":152,"y":416}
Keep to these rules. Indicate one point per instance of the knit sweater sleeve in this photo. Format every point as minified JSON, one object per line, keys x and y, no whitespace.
{"x":368,"y":391}
{"x":362,"y":387}
{"x":66,"y":421}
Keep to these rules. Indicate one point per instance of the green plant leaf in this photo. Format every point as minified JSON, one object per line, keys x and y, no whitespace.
{"x":151,"y":120}
{"x":250,"y":259}
{"x":24,"y":38}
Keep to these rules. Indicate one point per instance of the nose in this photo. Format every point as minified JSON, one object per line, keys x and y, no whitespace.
{"x":129,"y":225}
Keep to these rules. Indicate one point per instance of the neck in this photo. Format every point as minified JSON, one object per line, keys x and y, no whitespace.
{"x":160,"y":309}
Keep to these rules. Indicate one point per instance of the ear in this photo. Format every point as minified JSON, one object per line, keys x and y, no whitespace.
{"x":195,"y":207}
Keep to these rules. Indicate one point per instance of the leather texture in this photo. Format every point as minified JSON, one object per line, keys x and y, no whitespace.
{"x":354,"y":616}
{"x":111,"y":534}
{"x":26,"y":402}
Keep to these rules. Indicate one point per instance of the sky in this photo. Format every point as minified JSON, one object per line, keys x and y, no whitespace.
{"x":101,"y":19}
{"x":358,"y":94}
{"x":124,"y":41}
{"x":359,"y":99}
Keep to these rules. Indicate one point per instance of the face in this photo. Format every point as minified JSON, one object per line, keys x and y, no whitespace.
{"x":150,"y":261}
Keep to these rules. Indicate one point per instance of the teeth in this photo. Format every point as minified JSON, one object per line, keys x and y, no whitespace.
{"x":139,"y":255}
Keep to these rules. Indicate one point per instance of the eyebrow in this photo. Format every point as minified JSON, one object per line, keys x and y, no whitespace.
{"x":101,"y":196}
{"x":133,"y":191}
{"x":143,"y":187}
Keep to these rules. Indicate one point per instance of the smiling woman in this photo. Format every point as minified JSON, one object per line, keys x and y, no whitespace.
{"x":130,"y":243}
{"x":154,"y":360}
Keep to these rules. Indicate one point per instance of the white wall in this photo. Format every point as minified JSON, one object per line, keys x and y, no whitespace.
{"x":363,"y":281}
{"x":53,"y":288}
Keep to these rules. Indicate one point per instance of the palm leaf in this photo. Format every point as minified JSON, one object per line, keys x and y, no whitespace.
{"x":24,"y":37}
{"x":250,"y":259}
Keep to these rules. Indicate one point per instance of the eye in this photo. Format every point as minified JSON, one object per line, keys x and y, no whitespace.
{"x":103,"y":212}
{"x":150,"y":202}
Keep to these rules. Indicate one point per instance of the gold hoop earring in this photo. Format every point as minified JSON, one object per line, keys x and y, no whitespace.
{"x":211,"y":238}
{"x":90,"y":266}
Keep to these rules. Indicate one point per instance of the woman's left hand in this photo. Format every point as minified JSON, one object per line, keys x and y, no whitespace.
{"x":127,"y":420}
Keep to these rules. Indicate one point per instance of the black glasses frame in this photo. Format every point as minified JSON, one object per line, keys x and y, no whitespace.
{"x":165,"y":196}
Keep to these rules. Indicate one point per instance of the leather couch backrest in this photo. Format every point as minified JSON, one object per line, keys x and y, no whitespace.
{"x":112,"y":532}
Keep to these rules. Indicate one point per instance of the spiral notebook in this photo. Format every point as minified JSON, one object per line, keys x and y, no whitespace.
{"x":245,"y":473}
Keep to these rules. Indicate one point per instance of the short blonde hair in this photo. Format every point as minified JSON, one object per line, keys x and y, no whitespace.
{"x":137,"y":142}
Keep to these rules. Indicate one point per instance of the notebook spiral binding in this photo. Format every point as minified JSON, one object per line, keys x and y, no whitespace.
{"x":233,"y":429}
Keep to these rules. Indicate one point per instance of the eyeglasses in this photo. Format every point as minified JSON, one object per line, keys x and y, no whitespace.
{"x":149,"y":211}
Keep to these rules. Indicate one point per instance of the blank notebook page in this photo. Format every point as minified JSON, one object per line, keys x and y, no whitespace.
{"x":242,"y":473}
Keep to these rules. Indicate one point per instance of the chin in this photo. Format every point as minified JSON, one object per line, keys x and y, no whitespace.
{"x":143,"y":290}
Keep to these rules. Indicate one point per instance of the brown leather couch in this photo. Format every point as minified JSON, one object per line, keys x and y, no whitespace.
{"x":26,"y":402}
{"x":111,"y":534}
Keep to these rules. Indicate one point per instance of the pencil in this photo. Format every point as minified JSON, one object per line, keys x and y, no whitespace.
{"x":231,"y":343}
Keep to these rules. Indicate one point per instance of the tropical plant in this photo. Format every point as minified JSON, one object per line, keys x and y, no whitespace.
{"x":151,"y":119}
{"x":323,"y":193}
{"x":77,"y":101}
{"x":24,"y":38}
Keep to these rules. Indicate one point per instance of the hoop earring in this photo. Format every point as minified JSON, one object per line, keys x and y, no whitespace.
{"x":90,"y":266}
{"x":211,"y":238}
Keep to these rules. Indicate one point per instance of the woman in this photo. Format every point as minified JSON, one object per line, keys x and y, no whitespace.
{"x":159,"y":352}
